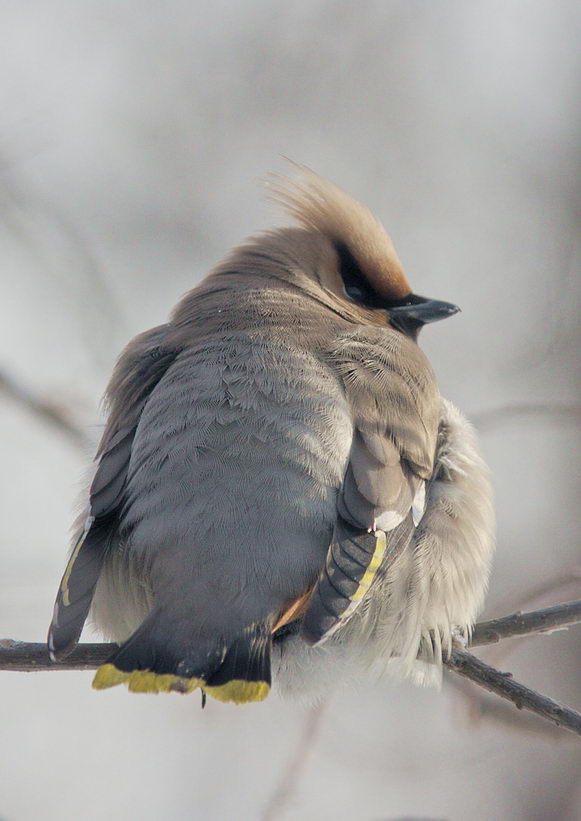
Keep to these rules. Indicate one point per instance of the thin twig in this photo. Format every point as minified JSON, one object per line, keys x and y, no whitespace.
{"x":483,"y":706}
{"x":536,"y":597}
{"x":525,"y":624}
{"x":26,"y":657}
{"x":541,"y":595}
{"x":465,"y":664}
{"x":30,"y":656}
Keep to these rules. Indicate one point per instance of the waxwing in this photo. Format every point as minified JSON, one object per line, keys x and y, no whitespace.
{"x":280,"y":491}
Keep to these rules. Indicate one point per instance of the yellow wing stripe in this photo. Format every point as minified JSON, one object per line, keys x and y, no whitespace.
{"x":363,"y":587}
{"x":144,"y":681}
{"x":372,"y":567}
{"x":69,"y":570}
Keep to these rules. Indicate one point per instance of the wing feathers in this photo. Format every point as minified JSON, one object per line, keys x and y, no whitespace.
{"x":76,"y":589}
{"x":394,"y":401}
{"x":345,"y":580}
{"x":138,"y":371}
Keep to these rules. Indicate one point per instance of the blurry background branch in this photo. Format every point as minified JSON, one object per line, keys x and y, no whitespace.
{"x":292,"y":773}
{"x":28,"y":657}
{"x":50,"y":412}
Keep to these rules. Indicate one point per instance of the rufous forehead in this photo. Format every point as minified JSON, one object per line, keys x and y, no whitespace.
{"x":390,"y":282}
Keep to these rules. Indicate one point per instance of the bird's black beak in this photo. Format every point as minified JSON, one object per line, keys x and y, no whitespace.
{"x":411,"y":312}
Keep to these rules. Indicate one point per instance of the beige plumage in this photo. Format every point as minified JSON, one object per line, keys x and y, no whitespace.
{"x":279,"y":477}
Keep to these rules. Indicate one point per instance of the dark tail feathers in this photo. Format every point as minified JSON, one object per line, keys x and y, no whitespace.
{"x":159,"y":658}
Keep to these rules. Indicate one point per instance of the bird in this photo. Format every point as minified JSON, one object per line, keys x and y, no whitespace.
{"x":281,"y":496}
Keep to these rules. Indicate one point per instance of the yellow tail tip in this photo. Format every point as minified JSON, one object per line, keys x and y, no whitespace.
{"x":144,"y":681}
{"x":109,"y":676}
{"x":236,"y":691}
{"x":239,"y":691}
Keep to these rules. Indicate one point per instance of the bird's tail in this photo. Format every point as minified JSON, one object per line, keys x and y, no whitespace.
{"x":158,"y":658}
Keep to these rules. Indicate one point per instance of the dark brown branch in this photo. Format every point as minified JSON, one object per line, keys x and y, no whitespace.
{"x":525,"y":624}
{"x":484,"y":706}
{"x":546,"y":591}
{"x":27,"y":657}
{"x":467,"y":665}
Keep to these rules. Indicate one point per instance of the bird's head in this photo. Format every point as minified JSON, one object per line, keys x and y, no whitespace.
{"x":365,"y":270}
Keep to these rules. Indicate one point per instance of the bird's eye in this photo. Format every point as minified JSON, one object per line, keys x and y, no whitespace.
{"x":355,"y":292}
{"x":356,"y":286}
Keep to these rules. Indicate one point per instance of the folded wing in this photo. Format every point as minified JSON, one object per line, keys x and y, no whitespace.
{"x":139,"y":370}
{"x":395,"y":403}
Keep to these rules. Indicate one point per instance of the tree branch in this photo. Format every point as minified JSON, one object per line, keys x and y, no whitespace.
{"x":44,"y":410}
{"x":482,"y":706}
{"x":546,"y":620}
{"x":465,"y":664}
{"x":30,"y":657}
{"x":27,"y":657}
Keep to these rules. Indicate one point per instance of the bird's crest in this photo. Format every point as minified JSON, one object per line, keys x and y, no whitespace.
{"x":319,"y":205}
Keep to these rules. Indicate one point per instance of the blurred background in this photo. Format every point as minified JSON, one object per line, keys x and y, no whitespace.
{"x":132,"y":139}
